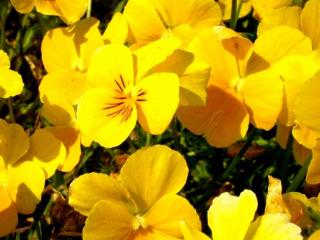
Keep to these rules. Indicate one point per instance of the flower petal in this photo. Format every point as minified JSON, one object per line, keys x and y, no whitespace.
{"x":72,"y":11}
{"x":222,"y":121}
{"x":105,"y":117}
{"x":26,"y":183}
{"x":109,"y":220}
{"x":8,"y":213}
{"x":11,"y":83}
{"x":262,"y":93}
{"x":313,"y":174}
{"x":117,"y":30}
{"x":153,"y":172}
{"x":167,"y":213}
{"x":158,"y":101}
{"x":23,"y":6}
{"x":310,"y":22}
{"x":229,"y":216}
{"x":191,"y":234}
{"x":90,"y":188}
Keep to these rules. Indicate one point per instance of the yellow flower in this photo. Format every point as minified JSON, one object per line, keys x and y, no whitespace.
{"x":141,"y":204}
{"x":124,"y":92}
{"x":244,"y":86}
{"x":69,"y":11}
{"x":11,"y":83}
{"x":262,"y":7}
{"x":151,"y":20}
{"x":21,"y":182}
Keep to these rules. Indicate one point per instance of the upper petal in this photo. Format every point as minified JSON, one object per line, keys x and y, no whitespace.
{"x":8,"y":213}
{"x":310,"y":22}
{"x":23,"y":6}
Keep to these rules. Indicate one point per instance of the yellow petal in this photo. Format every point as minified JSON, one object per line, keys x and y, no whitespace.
{"x":4,"y":60}
{"x":304,"y":109}
{"x":229,"y":216}
{"x":26,"y":183}
{"x":109,"y":220}
{"x":65,"y":48}
{"x":313,"y":174}
{"x":8,"y":213}
{"x":72,"y":11}
{"x":11,"y":83}
{"x":111,"y":67}
{"x":273,"y":227}
{"x":158,"y":101}
{"x":226,"y":6}
{"x":106,"y":117}
{"x":57,"y":108}
{"x":310,"y":22}
{"x":282,"y":135}
{"x":315,"y":235}
{"x":274,"y":201}
{"x":47,"y":7}
{"x":287,"y":16}
{"x":23,"y":6}
{"x":276,"y":44}
{"x":294,"y":71}
{"x":153,"y":54}
{"x":88,"y":189}
{"x":261,"y":6}
{"x":117,"y":30}
{"x":46,"y":150}
{"x":153,"y":172}
{"x":262,"y":93}
{"x":70,"y":138}
{"x":300,"y":152}
{"x":222,"y":121}
{"x":166,"y":214}
{"x":191,"y":234}
{"x":305,"y":136}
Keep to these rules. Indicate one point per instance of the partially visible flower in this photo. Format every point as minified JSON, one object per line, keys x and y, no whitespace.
{"x":141,"y":204}
{"x":151,"y":20}
{"x":124,"y":92}
{"x":226,"y":6}
{"x":69,"y":11}
{"x":11,"y":83}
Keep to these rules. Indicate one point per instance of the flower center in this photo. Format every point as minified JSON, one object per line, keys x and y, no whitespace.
{"x":78,"y":66}
{"x":139,"y":222}
{"x":236,"y":84}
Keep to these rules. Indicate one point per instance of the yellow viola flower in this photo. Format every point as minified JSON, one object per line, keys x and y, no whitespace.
{"x":11,"y":83}
{"x":68,"y":11}
{"x":226,"y":7}
{"x":151,"y":20}
{"x":141,"y":204}
{"x":21,"y":182}
{"x":244,"y":86}
{"x":124,"y":92}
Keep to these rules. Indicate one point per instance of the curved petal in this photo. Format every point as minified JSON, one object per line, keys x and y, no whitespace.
{"x":47,"y":7}
{"x":117,"y":30}
{"x":23,"y":6}
{"x":315,"y":235}
{"x":262,"y":93}
{"x":226,"y":6}
{"x":222,"y":121}
{"x":109,"y":220}
{"x":153,"y":172}
{"x":304,"y":109}
{"x":229,"y":216}
{"x":273,"y":227}
{"x":157,"y":101}
{"x":191,"y":234}
{"x":46,"y":150}
{"x":282,"y":135}
{"x":26,"y":183}
{"x":310,"y":22}
{"x":8,"y":213}
{"x":11,"y":83}
{"x":305,"y":136}
{"x":111,"y":67}
{"x":106,"y":117}
{"x":70,"y":138}
{"x":300,"y":152}
{"x":167,"y":213}
{"x":313,"y":174}
{"x":72,"y":11}
{"x":91,"y":188}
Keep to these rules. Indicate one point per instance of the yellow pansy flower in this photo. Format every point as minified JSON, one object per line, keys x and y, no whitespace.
{"x":244,"y":86}
{"x":69,"y":11}
{"x":124,"y":92}
{"x":11,"y":83}
{"x":154,"y":19}
{"x":141,"y":204}
{"x":21,"y":182}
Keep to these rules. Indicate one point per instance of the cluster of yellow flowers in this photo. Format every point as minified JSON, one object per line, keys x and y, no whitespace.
{"x":157,"y":60}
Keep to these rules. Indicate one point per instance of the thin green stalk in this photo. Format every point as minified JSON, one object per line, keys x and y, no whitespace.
{"x":175,"y":135}
{"x":11,"y":112}
{"x":38,"y":229}
{"x":89,"y":8}
{"x":4,"y":15}
{"x":286,"y":158}
{"x":234,"y":17}
{"x":299,"y":178}
{"x":148,"y":139}
{"x":235,"y":161}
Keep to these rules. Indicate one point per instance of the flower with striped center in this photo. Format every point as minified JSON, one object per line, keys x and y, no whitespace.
{"x":124,"y":91}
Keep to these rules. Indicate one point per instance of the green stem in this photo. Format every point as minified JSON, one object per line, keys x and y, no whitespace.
{"x":148,"y":139}
{"x":286,"y":158}
{"x":11,"y":112}
{"x":4,"y":15}
{"x":234,"y":18}
{"x":175,"y":135}
{"x":38,"y":229}
{"x":89,"y":8}
{"x":299,"y":178}
{"x":237,"y":158}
